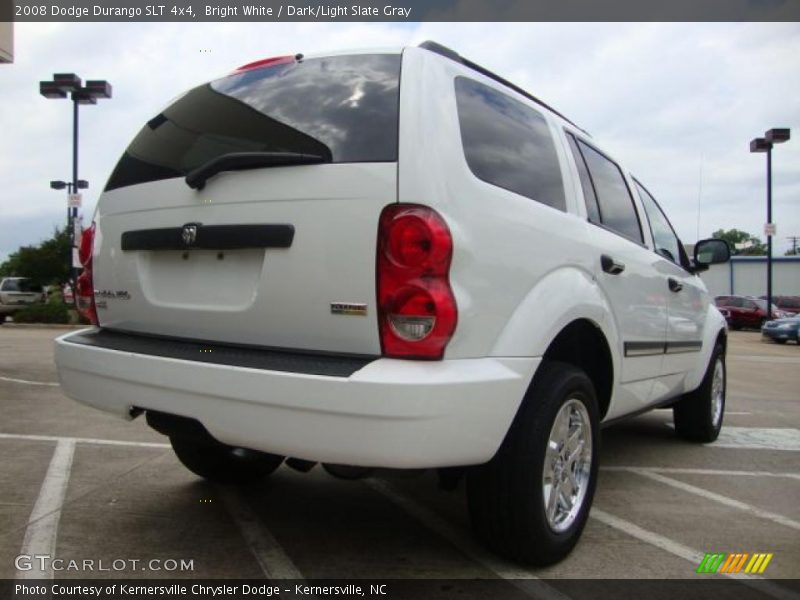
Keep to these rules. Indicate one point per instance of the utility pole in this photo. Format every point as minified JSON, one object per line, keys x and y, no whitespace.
{"x":794,"y":239}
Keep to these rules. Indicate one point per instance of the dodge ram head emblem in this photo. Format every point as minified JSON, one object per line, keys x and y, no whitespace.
{"x":189,"y":234}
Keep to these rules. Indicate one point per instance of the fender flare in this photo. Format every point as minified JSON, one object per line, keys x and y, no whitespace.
{"x":715,"y":325}
{"x":562,"y":296}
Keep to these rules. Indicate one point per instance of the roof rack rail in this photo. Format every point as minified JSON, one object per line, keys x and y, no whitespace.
{"x":455,"y":56}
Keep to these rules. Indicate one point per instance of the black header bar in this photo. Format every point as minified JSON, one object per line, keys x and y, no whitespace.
{"x":400,"y":10}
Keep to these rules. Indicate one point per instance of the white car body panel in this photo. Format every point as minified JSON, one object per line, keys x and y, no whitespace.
{"x":269,"y":297}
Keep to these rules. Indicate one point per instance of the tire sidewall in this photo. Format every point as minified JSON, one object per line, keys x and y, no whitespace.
{"x":532,"y":435}
{"x":717,"y":355}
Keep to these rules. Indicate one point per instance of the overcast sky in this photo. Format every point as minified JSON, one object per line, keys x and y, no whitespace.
{"x":676,"y":103}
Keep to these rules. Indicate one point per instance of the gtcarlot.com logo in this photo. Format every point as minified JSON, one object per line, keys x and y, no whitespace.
{"x":736,"y":562}
{"x":45,"y":562}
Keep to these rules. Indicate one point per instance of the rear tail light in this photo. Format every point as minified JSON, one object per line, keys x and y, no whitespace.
{"x":84,"y":292}
{"x":417,"y":311}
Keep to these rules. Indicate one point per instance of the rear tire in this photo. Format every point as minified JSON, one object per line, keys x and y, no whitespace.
{"x":220,"y":463}
{"x":699,"y":414}
{"x":531,"y":501}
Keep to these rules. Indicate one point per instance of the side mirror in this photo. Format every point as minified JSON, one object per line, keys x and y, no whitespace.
{"x":711,"y":252}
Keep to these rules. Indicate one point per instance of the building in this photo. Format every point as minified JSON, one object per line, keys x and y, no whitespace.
{"x":6,"y":42}
{"x":747,"y":276}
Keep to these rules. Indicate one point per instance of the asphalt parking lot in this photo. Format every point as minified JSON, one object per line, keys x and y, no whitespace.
{"x":79,"y":485}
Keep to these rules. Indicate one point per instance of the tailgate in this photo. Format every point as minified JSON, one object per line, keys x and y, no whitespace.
{"x":269,"y":296}
{"x":276,"y":255}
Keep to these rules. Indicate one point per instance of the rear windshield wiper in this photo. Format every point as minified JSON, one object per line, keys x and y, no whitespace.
{"x":239,"y":161}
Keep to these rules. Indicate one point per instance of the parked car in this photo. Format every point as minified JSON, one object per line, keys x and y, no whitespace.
{"x":17,"y":293}
{"x":745,"y":311}
{"x":416,"y":267}
{"x":782,"y":330}
{"x":788,"y":304}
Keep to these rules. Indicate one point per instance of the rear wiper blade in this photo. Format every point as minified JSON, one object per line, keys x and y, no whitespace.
{"x":239,"y":161}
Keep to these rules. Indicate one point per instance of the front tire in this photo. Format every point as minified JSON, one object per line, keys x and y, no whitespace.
{"x":221,"y":463}
{"x":699,"y":414}
{"x":531,"y":501}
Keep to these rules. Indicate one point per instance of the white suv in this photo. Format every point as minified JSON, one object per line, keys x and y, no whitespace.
{"x":392,"y":259}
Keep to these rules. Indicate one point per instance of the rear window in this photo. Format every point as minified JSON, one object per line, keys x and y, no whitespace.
{"x":508,"y":144}
{"x":21,"y":285}
{"x":342,"y":107}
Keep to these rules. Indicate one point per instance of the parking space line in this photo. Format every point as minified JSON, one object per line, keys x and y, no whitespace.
{"x":55,"y":438}
{"x":269,"y":554}
{"x":522,"y":579}
{"x":28,"y":382}
{"x":727,"y":501}
{"x":790,"y":360}
{"x":42,"y":531}
{"x":690,"y":471}
{"x":689,"y":554}
{"x":786,"y":439}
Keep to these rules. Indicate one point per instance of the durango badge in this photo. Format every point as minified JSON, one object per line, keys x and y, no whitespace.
{"x":349,"y":308}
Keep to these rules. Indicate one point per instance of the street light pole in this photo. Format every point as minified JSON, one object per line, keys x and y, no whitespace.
{"x":773,"y":136}
{"x":769,"y":233}
{"x":61,"y":85}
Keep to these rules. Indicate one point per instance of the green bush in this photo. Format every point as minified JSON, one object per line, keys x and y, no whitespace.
{"x":52,"y":312}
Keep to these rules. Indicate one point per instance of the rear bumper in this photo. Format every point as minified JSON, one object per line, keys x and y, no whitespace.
{"x":389,"y":413}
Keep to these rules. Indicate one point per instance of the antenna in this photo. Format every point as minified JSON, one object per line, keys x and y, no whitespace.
{"x":700,"y":194}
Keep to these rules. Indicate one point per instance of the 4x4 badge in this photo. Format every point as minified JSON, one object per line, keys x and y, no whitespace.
{"x":189,"y":235}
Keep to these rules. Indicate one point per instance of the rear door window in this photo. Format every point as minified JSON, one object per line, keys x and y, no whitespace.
{"x":344,"y":108}
{"x":508,"y":144}
{"x":606,"y":191}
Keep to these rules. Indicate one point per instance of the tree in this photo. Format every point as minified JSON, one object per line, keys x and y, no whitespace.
{"x":46,"y":263}
{"x":734,"y":236}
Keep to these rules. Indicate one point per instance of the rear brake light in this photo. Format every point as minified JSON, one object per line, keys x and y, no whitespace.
{"x":268,"y":62}
{"x":84,"y":292}
{"x":417,"y":311}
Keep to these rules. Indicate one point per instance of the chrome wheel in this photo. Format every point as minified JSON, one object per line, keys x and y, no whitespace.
{"x":717,"y":392}
{"x":567,"y":465}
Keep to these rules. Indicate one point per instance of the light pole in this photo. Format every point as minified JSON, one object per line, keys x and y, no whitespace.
{"x":771,"y":137}
{"x":61,"y":85}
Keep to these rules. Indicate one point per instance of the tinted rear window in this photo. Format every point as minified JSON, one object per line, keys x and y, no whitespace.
{"x":508,"y":144}
{"x":342,"y":107}
{"x":21,"y":285}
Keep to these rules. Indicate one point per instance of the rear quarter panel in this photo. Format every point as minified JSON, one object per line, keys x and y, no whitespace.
{"x":503,"y":243}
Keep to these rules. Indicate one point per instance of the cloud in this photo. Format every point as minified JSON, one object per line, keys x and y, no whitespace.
{"x":676,"y":103}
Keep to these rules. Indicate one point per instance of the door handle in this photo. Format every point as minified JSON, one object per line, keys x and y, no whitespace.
{"x":674,"y":285}
{"x":610,"y":265}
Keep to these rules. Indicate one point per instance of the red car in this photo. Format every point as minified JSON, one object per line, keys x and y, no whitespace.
{"x":790,"y":304}
{"x":744,"y":311}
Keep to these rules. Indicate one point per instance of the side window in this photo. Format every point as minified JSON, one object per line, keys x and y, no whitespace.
{"x":664,"y":238}
{"x":508,"y":144}
{"x":749,"y":304}
{"x":586,"y":182}
{"x":607,"y":186}
{"x":10,"y":285}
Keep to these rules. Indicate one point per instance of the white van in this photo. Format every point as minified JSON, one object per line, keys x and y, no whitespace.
{"x":392,"y":259}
